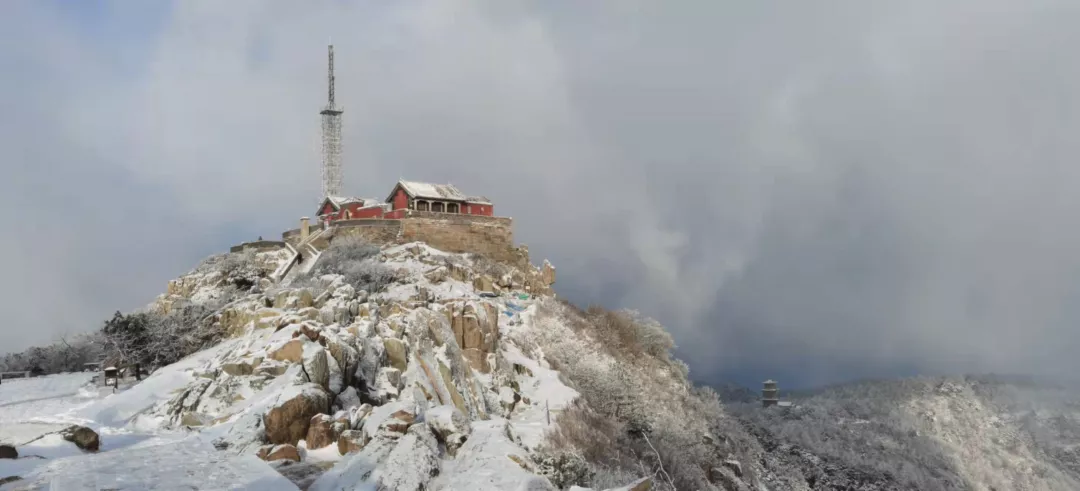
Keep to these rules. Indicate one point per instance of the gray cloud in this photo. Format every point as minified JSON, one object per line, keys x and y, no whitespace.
{"x":819,"y":191}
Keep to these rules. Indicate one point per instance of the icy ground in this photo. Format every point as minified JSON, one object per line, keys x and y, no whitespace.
{"x":32,"y":409}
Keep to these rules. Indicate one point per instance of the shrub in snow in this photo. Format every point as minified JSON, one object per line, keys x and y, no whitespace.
{"x":356,"y":260}
{"x":369,"y":275}
{"x":240,"y":269}
{"x":345,"y":250}
{"x":156,"y":339}
{"x":565,"y":469}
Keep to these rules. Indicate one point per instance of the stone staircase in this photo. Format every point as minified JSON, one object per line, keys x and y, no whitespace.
{"x":304,"y":257}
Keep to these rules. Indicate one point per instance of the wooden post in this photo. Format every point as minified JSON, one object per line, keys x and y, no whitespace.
{"x":547,"y":412}
{"x":138,"y":374}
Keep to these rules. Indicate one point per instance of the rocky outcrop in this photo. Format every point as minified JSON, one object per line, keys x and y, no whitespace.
{"x":8,"y":452}
{"x":477,"y":360}
{"x":83,"y":437}
{"x":395,"y":353}
{"x":547,"y":274}
{"x":288,"y":421}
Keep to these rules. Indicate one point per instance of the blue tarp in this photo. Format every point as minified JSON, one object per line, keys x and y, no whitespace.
{"x":514,"y":306}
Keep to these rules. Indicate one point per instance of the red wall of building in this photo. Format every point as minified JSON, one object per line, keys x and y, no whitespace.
{"x":371,"y":212}
{"x":476,"y":209}
{"x":401,"y":200}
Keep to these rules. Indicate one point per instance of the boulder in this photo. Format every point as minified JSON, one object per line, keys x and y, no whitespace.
{"x":336,"y":377}
{"x":271,"y":453}
{"x":292,"y":351}
{"x":458,"y":272}
{"x":316,"y":366}
{"x":547,"y":273}
{"x":522,"y":370}
{"x":726,"y":480}
{"x":395,"y":353}
{"x":399,"y":422}
{"x":321,"y":432}
{"x":350,"y":441}
{"x":393,"y":376}
{"x":313,"y":333}
{"x":356,"y":418}
{"x":477,"y":359}
{"x":437,"y":275}
{"x":484,"y":283}
{"x":9,"y":479}
{"x":83,"y":437}
{"x":191,"y":419}
{"x":237,"y":368}
{"x":471,"y":335}
{"x":457,"y":325}
{"x":508,"y":398}
{"x":404,"y":415}
{"x":8,"y":452}
{"x":346,"y":356}
{"x":448,"y":381}
{"x":271,"y":368}
{"x":288,"y":421}
{"x":735,"y":467}
{"x":305,"y":299}
{"x":348,"y":398}
{"x":446,"y":421}
{"x":302,"y":474}
{"x":417,"y":461}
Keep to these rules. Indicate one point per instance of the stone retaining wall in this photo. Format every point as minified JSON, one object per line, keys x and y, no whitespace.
{"x":490,"y":236}
{"x":258,"y":246}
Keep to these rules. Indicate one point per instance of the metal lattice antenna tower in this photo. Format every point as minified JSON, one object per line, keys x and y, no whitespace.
{"x":331,"y":137}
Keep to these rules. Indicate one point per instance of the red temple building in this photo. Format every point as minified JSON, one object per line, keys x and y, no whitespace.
{"x":406,"y":195}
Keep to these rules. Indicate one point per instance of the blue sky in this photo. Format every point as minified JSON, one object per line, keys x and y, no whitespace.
{"x":809,"y":193}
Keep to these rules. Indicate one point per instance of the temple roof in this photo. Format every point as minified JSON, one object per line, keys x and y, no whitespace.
{"x":426,"y":190}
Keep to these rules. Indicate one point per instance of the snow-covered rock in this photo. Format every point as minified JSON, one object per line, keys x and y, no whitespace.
{"x":288,"y":420}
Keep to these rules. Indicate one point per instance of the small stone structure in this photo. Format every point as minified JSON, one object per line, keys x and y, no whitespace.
{"x":258,"y":246}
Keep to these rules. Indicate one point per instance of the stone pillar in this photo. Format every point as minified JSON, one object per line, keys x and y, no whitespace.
{"x":305,"y":228}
